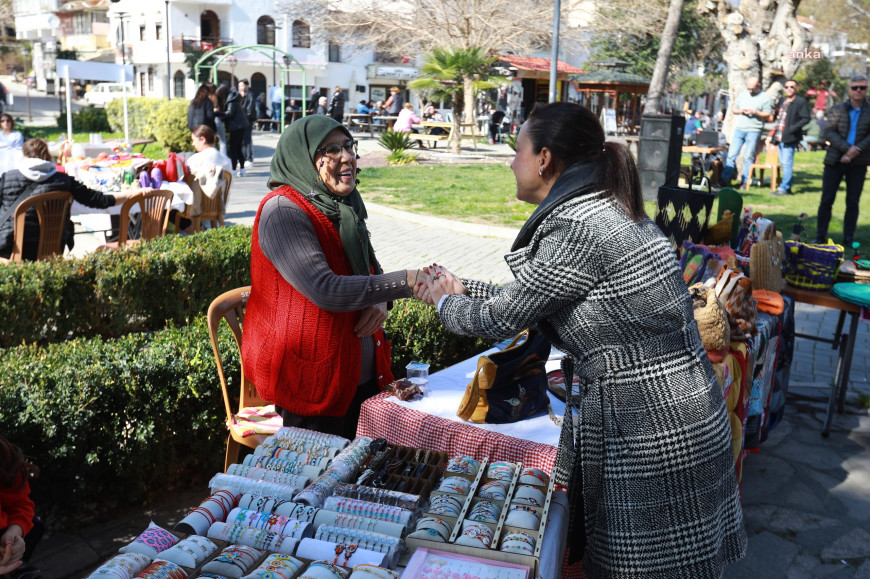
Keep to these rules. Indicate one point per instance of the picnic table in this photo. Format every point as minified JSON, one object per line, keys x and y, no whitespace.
{"x":432,"y":137}
{"x":359,"y":122}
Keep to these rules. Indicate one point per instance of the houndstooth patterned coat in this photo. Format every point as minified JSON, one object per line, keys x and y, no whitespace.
{"x":653,"y":439}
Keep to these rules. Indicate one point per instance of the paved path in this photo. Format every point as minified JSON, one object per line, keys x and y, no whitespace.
{"x":806,"y":499}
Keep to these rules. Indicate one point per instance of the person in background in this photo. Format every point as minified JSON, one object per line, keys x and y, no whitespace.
{"x":407,"y":117}
{"x":813,"y":136}
{"x":336,"y":105}
{"x":693,"y":124}
{"x":206,"y":166}
{"x":249,"y":104}
{"x":848,"y":135}
{"x":321,"y":106}
{"x":293,"y":105}
{"x":219,"y":100}
{"x":262,"y":109}
{"x":362,"y":108}
{"x":200,"y":111}
{"x":313,"y":343}
{"x":37,"y":173}
{"x":792,"y":115}
{"x":236,"y":120}
{"x":599,"y":279}
{"x":275,"y":95}
{"x":430,"y":113}
{"x":10,"y":143}
{"x":395,"y":103}
{"x":20,"y":530}
{"x":751,"y":109}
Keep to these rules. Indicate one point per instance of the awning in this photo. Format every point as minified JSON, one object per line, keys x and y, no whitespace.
{"x":537,"y":64}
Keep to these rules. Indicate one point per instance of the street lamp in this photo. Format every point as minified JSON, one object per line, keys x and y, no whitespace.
{"x":121,"y":16}
{"x":232,"y":61}
{"x":24,"y":54}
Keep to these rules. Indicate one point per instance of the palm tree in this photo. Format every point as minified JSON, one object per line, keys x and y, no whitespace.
{"x":448,"y":74}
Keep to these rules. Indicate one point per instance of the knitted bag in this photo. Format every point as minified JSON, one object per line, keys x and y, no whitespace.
{"x":765,"y":260}
{"x":812,"y":266}
{"x":693,"y":262}
{"x":734,"y":291}
{"x":711,"y":318}
{"x":769,"y":302}
{"x":510,"y":385}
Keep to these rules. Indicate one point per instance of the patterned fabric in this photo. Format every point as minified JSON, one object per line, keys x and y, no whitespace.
{"x":654,"y":451}
{"x":257,"y":420}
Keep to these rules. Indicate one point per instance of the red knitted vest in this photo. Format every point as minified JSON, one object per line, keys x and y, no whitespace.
{"x":305,"y":359}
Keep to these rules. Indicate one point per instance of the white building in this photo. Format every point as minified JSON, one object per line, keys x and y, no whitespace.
{"x":141,"y":27}
{"x":36,"y":22}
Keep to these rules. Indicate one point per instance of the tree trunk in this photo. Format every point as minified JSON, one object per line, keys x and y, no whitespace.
{"x":456,"y":134}
{"x":758,"y":39}
{"x":658,"y":84}
{"x":468,"y":93}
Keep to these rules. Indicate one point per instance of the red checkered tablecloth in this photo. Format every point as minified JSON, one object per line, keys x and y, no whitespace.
{"x":380,"y":418}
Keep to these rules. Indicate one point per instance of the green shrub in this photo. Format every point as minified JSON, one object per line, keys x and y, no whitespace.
{"x":111,"y":420}
{"x":141,"y":116}
{"x":394,"y":141}
{"x":87,"y":120}
{"x":168,"y":280}
{"x":417,"y":334}
{"x":171,"y":131}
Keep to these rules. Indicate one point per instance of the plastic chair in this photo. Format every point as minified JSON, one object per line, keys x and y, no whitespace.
{"x":154,"y":211}
{"x":731,"y":200}
{"x":771,"y":162}
{"x":253,"y":414}
{"x":211,"y":210}
{"x":52,"y":211}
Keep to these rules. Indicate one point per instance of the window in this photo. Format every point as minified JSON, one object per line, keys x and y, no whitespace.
{"x":334,"y":52}
{"x":158,"y":32}
{"x":301,"y":34}
{"x":178,"y":82}
{"x":266,"y":31}
{"x":141,"y":33}
{"x":150,"y":80}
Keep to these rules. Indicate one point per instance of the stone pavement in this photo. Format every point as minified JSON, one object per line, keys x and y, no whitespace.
{"x":806,"y":499}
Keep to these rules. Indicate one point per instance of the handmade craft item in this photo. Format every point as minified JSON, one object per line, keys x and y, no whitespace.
{"x":123,"y":566}
{"x":276,"y":566}
{"x":234,"y":561}
{"x":214,"y":508}
{"x":190,"y":551}
{"x":152,"y":541}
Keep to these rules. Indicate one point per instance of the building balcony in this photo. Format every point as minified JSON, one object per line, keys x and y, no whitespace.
{"x":84,"y":42}
{"x":185,"y":43}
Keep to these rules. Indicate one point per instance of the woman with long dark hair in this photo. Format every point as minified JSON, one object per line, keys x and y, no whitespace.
{"x":201,"y":110}
{"x":219,"y":100}
{"x":646,"y":454}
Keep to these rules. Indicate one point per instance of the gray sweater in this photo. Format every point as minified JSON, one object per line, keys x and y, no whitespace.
{"x":289,"y":241}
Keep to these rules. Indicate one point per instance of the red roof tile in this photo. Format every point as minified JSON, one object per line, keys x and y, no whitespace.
{"x":537,"y":63}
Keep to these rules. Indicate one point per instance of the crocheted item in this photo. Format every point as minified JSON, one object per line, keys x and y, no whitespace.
{"x":765,"y":260}
{"x":768,"y":301}
{"x":855,"y":293}
{"x":711,"y":318}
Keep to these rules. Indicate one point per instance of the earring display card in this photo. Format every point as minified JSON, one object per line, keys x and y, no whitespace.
{"x":430,"y":562}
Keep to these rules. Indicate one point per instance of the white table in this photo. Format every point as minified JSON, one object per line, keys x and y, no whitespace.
{"x":93,"y":219}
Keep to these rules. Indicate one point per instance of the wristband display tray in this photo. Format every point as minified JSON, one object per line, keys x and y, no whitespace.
{"x":500,"y":529}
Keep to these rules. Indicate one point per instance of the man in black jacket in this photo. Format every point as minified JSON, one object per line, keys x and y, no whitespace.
{"x":848,"y":132}
{"x":249,"y":105}
{"x":792,"y":115}
{"x":336,"y":105}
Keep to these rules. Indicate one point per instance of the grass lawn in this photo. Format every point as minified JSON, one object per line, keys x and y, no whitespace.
{"x":50,"y":134}
{"x":487,"y":194}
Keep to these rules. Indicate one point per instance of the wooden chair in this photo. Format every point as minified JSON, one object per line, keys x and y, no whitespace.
{"x":154,"y":211}
{"x":252,"y":414}
{"x":52,"y":211}
{"x":211,"y":210}
{"x":771,"y":162}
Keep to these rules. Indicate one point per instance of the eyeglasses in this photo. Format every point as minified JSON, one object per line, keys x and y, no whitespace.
{"x":333,"y":150}
{"x":858,"y":87}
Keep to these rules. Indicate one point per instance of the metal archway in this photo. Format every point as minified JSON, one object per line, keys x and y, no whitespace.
{"x":270,"y":52}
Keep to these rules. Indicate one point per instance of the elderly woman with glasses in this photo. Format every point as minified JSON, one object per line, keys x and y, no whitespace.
{"x":313,"y":339}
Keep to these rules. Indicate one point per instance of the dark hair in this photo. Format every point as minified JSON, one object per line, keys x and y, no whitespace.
{"x":221,"y":93}
{"x":201,"y":95}
{"x":36,"y":149}
{"x":245,"y":82}
{"x":8,"y":116}
{"x":573,"y":134}
{"x":14,"y":468}
{"x":206,"y":133}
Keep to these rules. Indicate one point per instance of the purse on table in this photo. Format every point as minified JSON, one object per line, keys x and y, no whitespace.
{"x":509,"y":385}
{"x":765,"y":260}
{"x":812,"y":266}
{"x":734,"y":291}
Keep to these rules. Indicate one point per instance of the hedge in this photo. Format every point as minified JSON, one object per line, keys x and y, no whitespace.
{"x":107,"y":421}
{"x":168,"y":280}
{"x":141,"y":116}
{"x":171,"y":131}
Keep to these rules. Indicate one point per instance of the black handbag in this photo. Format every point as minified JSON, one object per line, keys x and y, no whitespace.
{"x":684,"y":214}
{"x":509,"y":385}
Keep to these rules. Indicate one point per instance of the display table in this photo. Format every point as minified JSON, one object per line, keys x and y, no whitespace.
{"x":431,"y":422}
{"x":844,"y":343}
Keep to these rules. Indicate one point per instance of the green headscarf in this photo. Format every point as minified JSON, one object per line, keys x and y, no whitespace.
{"x":293,"y":164}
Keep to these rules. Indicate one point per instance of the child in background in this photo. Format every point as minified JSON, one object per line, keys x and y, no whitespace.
{"x":16,"y":510}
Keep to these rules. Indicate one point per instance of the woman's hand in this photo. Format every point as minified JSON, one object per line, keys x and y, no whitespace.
{"x":370,"y":320}
{"x":441,"y":282}
{"x":12,"y":545}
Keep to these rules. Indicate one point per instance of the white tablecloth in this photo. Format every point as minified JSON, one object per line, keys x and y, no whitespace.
{"x":447,"y":387}
{"x":182,"y":195}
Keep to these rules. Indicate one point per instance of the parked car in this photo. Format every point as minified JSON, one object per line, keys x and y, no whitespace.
{"x":104,"y":92}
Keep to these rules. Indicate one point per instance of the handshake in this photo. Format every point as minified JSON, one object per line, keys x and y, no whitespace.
{"x":433,"y":282}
